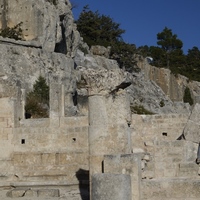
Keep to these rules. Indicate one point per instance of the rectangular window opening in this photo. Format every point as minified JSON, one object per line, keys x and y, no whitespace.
{"x":23,"y":141}
{"x":164,"y":134}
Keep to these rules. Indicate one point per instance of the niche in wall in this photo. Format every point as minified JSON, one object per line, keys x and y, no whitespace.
{"x":164,"y":134}
{"x":23,"y":141}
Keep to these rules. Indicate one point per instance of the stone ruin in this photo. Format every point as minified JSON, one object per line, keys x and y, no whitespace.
{"x":92,"y":146}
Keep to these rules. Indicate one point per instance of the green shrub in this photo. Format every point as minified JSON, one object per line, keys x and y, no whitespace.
{"x":187,"y":98}
{"x":14,"y":32}
{"x":162,"y":103}
{"x":37,"y":102}
{"x":34,"y":108}
{"x":140,"y":110}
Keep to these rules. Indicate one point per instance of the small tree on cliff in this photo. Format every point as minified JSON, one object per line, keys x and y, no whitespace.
{"x":192,"y":68}
{"x":169,"y":43}
{"x":169,"y":52}
{"x":187,"y":98}
{"x":97,"y":29}
{"x":37,"y":102}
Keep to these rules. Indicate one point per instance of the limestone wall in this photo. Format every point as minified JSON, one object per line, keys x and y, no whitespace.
{"x":172,"y":159}
{"x":55,"y":151}
{"x":7,"y":123}
{"x":170,"y":163}
{"x":46,"y":153}
{"x":157,"y":135}
{"x":148,"y":128}
{"x":174,"y":189}
{"x":49,"y":153}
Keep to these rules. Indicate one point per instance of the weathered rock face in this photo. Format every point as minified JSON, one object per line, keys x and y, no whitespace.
{"x":51,"y":28}
{"x":46,"y":25}
{"x":50,"y":40}
{"x":100,"y":50}
{"x":172,"y":85}
{"x":153,"y":93}
{"x":147,"y":93}
{"x":21,"y":66}
{"x":37,"y":18}
{"x":94,"y":61}
{"x":70,"y":36}
{"x":192,"y":131}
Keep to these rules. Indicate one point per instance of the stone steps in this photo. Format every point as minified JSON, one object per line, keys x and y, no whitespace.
{"x":172,"y":159}
{"x":53,"y":190}
{"x":171,"y":188}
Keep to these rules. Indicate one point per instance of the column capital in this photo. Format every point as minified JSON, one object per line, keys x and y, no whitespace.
{"x":103,"y":81}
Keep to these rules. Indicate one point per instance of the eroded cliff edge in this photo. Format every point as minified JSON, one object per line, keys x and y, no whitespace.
{"x":52,"y":47}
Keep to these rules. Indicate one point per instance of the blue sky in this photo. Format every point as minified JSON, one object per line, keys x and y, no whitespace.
{"x":143,"y":19}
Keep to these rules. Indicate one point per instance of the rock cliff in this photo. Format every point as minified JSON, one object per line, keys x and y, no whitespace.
{"x":52,"y":47}
{"x":43,"y":24}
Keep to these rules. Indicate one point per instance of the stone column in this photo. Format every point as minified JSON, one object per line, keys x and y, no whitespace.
{"x":108,"y":128}
{"x":98,"y":132}
{"x":69,"y":104}
{"x":109,"y":116}
{"x":23,"y":102}
{"x":62,"y":100}
{"x":55,"y":103}
{"x":198,"y":155}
